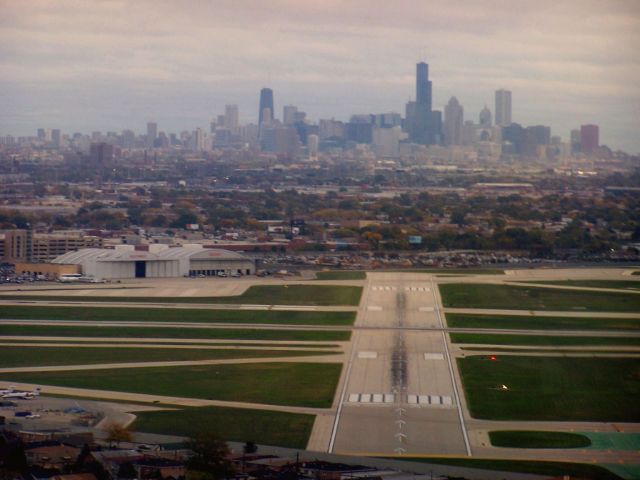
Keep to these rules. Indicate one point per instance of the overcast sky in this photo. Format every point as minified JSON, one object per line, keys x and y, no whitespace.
{"x":88,"y":65}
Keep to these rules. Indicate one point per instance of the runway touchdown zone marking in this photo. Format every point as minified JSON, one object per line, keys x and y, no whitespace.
{"x":368,"y":355}
{"x":434,"y":356}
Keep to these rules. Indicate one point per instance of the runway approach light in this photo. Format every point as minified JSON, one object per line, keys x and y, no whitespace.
{"x":504,"y":387}
{"x":493,"y":358}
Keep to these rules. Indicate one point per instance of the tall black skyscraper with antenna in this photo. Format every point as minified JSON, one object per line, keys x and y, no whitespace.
{"x":423,"y":124}
{"x":266,"y":102}
{"x":423,"y":85}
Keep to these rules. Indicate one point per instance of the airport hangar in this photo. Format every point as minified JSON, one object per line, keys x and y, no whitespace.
{"x":159,"y":261}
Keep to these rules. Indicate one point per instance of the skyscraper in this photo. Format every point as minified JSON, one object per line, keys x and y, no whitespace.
{"x":503,"y":108}
{"x":421,"y":123}
{"x":266,"y":102}
{"x":231,"y":117}
{"x":289,"y":114}
{"x":589,"y":138}
{"x":152,"y":133}
{"x":484,"y":118}
{"x":453,"y":120}
{"x":423,"y":85}
{"x":56,"y":137}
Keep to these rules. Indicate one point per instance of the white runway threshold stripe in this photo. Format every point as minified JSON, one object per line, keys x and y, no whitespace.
{"x":371,"y":398}
{"x":417,"y":289}
{"x":430,"y":401}
{"x":383,"y":288}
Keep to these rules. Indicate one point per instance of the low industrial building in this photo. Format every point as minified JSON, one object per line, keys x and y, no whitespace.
{"x":158,"y":261}
{"x":50,"y":271}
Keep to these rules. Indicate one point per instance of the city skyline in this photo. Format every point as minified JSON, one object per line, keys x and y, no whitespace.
{"x":567,"y":65}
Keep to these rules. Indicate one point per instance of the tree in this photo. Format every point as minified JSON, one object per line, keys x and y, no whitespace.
{"x":127,"y":470}
{"x":117,"y":433}
{"x":209,"y":459}
{"x":249,"y":447}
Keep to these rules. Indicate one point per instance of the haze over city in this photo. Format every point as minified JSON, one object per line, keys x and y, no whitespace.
{"x":110,"y":65}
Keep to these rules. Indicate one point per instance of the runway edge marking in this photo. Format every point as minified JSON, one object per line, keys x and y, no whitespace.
{"x":354,"y":352}
{"x":465,"y":435}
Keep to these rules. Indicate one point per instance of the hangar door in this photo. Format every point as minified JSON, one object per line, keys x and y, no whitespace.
{"x":141,"y":269}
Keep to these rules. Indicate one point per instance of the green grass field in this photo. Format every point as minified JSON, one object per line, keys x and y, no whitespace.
{"x":525,"y":350}
{"x":21,"y":356}
{"x":552,"y":388}
{"x":619,"y":284}
{"x":301,"y":384}
{"x":514,"y":297}
{"x":342,"y":275}
{"x":541,"y":340}
{"x":321,"y":295}
{"x":456,"y":271}
{"x":614,"y":441}
{"x":556,"y":469}
{"x":232,"y":424}
{"x":461,"y":320}
{"x":537,"y":439}
{"x":175,"y":333}
{"x":161,"y":343}
{"x":176,"y":315}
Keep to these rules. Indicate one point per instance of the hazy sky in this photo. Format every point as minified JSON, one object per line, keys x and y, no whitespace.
{"x":107,"y":65}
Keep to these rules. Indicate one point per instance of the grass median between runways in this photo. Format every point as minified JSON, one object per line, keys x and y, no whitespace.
{"x":541,"y":340}
{"x":199,"y":315}
{"x":175,"y":333}
{"x":552,"y":388}
{"x":526,"y":322}
{"x":616,"y":284}
{"x":341,"y":275}
{"x":321,"y":295}
{"x":231,"y":424}
{"x":298,"y":384}
{"x":537,"y":439}
{"x":22,"y":356}
{"x":512,"y":297}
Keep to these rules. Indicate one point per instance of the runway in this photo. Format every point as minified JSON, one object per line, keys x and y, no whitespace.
{"x":399,"y":395}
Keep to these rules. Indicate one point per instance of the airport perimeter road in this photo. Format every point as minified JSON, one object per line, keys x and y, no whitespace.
{"x":398,"y":395}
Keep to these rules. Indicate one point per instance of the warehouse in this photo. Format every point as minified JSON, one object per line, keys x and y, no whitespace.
{"x":157,"y":261}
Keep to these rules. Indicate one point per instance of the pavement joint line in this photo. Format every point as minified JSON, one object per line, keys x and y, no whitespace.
{"x":451,"y":372}
{"x":354,"y":350}
{"x":283,"y":326}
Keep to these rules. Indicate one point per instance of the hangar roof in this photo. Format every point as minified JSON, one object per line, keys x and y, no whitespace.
{"x":175,"y":253}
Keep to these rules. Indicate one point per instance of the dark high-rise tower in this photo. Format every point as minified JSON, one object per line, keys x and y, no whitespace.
{"x":423,"y":125}
{"x":266,"y":106}
{"x":423,"y":85}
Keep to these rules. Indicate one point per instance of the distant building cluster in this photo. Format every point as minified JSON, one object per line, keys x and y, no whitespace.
{"x":444,"y":135}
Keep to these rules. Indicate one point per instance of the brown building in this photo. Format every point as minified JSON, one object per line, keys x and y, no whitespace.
{"x":51,"y":455}
{"x":27,"y":246}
